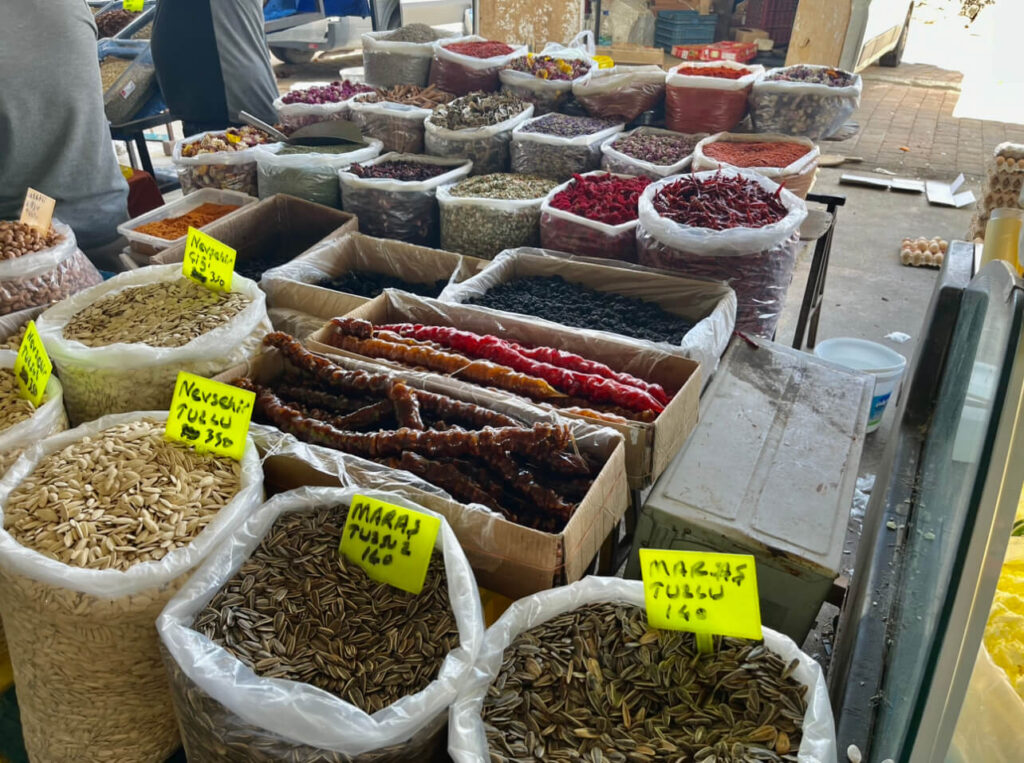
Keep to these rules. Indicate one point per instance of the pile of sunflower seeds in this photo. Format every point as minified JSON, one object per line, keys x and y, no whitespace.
{"x":597,"y":684}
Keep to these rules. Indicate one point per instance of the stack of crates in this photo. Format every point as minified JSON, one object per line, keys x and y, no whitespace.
{"x":773,"y":16}
{"x":684,"y":28}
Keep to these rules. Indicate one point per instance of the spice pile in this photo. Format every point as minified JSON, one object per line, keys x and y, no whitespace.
{"x":413,"y":33}
{"x":593,"y":389}
{"x":598,"y":683}
{"x":335,"y":92}
{"x":719,"y":202}
{"x":175,"y":227}
{"x":409,"y":95}
{"x":812,"y":75}
{"x":298,"y":610}
{"x":555,"y":299}
{"x":656,"y":148}
{"x":145,"y":33}
{"x":500,"y":185}
{"x":483,"y":230}
{"x":549,"y":67}
{"x":768,"y":154}
{"x":113,"y":21}
{"x":18,"y":239}
{"x":331,"y":148}
{"x":232,"y":139}
{"x":720,"y":72}
{"x":565,"y":126}
{"x":13,"y":407}
{"x":370,"y":285}
{"x":480,"y":49}
{"x":602,"y":198}
{"x":111,"y":68}
{"x":477,"y":110}
{"x":400,"y":169}
{"x":530,"y":475}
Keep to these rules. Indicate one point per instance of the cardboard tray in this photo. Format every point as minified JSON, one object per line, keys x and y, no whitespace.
{"x":294,"y":285}
{"x":279,"y":223}
{"x":650,"y":447}
{"x":507,"y":558}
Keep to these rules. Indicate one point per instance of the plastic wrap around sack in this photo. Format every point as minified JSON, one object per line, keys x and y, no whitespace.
{"x":622,"y":95}
{"x":284,"y":718}
{"x":565,"y":232}
{"x":707,"y":104}
{"x":91,"y":684}
{"x":797,"y":177}
{"x":229,"y":170}
{"x":397,"y":209}
{"x":49,"y":418}
{"x":295,"y":115}
{"x":312,"y":176}
{"x":461,"y":74}
{"x":47,"y":276}
{"x":802,"y":108}
{"x":555,"y":157}
{"x":713,"y":319}
{"x":614,"y":161}
{"x":757,"y":262}
{"x":387,"y":63}
{"x":487,"y":147}
{"x":991,"y":722}
{"x":398,"y":126}
{"x":137,"y":377}
{"x":467,"y":739}
{"x":549,"y":95}
{"x":484,"y":227}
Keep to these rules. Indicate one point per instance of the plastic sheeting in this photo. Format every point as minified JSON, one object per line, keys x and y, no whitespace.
{"x":707,"y":104}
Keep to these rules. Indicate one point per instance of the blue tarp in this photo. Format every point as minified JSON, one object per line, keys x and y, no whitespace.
{"x":278,"y":9}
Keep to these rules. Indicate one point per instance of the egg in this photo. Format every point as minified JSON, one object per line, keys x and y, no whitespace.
{"x":934,"y":248}
{"x":922,"y":244}
{"x":938,"y":258}
{"x":918,"y":258}
{"x":943,"y":245}
{"x":906,"y":257}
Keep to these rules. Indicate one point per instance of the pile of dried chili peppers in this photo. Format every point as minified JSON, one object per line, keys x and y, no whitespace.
{"x":719,"y":202}
{"x":483,"y":49}
{"x":721,"y":72}
{"x":602,"y":198}
{"x":531,"y":474}
{"x":768,"y":154}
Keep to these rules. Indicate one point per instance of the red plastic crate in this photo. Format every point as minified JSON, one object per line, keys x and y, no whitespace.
{"x":727,"y":50}
{"x":773,"y":16}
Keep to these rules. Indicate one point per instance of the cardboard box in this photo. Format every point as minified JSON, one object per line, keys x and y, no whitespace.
{"x":650,"y":447}
{"x":741,"y":52}
{"x":628,"y":53}
{"x":749,"y":34}
{"x":507,"y":558}
{"x":280,"y":226}
{"x":293,"y":286}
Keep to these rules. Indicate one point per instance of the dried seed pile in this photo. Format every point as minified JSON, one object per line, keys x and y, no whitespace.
{"x":164,"y":314}
{"x":111,"y":68}
{"x":413,"y":33}
{"x":13,"y":407}
{"x":297,"y":609}
{"x":120,"y":498}
{"x":13,"y":342}
{"x":597,"y":683}
{"x":18,"y":239}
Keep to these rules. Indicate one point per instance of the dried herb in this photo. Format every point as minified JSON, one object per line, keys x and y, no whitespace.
{"x":565,"y":126}
{"x":400,"y":169}
{"x":656,"y":148}
{"x":413,"y":33}
{"x":477,"y":110}
{"x":719,"y":202}
{"x":503,"y":186}
{"x":814,"y":75}
{"x":483,"y":230}
{"x":332,"y":93}
{"x":549,"y":67}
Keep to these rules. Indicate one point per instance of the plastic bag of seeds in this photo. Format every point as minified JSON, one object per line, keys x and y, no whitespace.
{"x":400,"y":56}
{"x":463,"y":74}
{"x":487,"y":146}
{"x":813,"y":101}
{"x":486,"y":214}
{"x":622,"y":95}
{"x":237,"y":705}
{"x":559,"y":146}
{"x":648,"y":151}
{"x":23,"y":424}
{"x":120,"y":345}
{"x":390,"y":207}
{"x":528,"y":640}
{"x":79,"y":608}
{"x":546,"y":79}
{"x":757,"y":262}
{"x":308,"y":173}
{"x":398,"y":126}
{"x":712,"y":103}
{"x":39,"y":270}
{"x":797,"y":176}
{"x":229,"y":170}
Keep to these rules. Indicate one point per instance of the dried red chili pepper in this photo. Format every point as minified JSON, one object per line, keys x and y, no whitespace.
{"x":602,"y":198}
{"x":485,"y":49}
{"x":722,"y":72}
{"x":719,"y":202}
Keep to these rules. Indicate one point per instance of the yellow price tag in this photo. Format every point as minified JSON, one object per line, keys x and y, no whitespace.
{"x":133,"y":5}
{"x":208,"y":262}
{"x":604,"y":62}
{"x":210,"y":416}
{"x":37,"y":210}
{"x":391,"y":543}
{"x":32,"y":368}
{"x":701,"y":592}
{"x":128,"y":172}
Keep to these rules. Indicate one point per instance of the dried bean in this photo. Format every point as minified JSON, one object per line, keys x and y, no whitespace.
{"x":370,"y":285}
{"x":113,"y":21}
{"x":72,"y":273}
{"x":18,"y":239}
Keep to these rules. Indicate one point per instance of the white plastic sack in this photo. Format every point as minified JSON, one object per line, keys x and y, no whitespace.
{"x":487,"y":147}
{"x":462,"y":74}
{"x":535,"y":153}
{"x":46,"y":276}
{"x":549,"y":95}
{"x":757,"y":262}
{"x":312,"y":176}
{"x":288,"y":714}
{"x":622,"y":95}
{"x":801,"y":108}
{"x":614,"y":161}
{"x":707,"y":104}
{"x":398,"y":126}
{"x":406,"y":211}
{"x":387,"y":63}
{"x":797,"y":177}
{"x":484,"y":227}
{"x":137,"y":377}
{"x":230,"y":170}
{"x":49,"y":418}
{"x":467,"y":740}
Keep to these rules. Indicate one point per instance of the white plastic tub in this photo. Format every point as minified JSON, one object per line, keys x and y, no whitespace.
{"x":885,"y":365}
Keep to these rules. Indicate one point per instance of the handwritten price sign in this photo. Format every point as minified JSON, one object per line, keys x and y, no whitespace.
{"x":208,"y":262}
{"x":701,"y":592}
{"x":391,"y":543}
{"x":210,"y":416}
{"x":37,"y":210}
{"x":32,"y":368}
